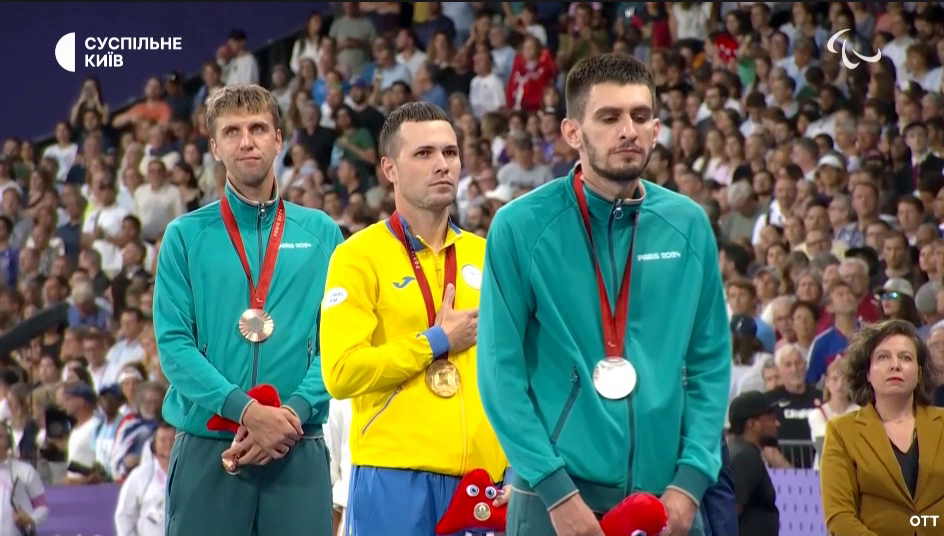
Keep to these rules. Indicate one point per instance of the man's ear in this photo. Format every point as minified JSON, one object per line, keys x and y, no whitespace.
{"x":570,"y":130}
{"x":389,"y":169}
{"x":215,"y":150}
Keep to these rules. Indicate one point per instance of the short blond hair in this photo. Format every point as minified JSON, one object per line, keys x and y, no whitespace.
{"x":251,"y":98}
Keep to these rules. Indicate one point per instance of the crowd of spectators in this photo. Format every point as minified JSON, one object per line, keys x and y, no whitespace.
{"x":823,"y":183}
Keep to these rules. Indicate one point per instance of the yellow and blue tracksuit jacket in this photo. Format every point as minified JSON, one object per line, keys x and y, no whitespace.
{"x":376,"y":345}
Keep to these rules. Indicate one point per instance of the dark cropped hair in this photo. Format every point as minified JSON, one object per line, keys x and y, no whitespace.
{"x":859,"y":360}
{"x":411,"y":112}
{"x":607,"y":68}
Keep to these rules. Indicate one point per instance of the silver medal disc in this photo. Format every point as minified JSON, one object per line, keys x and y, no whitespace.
{"x":614,"y":378}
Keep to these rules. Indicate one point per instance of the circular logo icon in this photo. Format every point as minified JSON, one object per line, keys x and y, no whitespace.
{"x":472,"y":276}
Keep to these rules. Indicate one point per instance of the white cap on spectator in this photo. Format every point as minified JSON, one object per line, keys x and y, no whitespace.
{"x":830,"y":160}
{"x":129,"y":373}
{"x":899,"y":285}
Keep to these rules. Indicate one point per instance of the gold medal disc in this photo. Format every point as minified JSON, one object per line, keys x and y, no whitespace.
{"x":256,"y":325}
{"x":442,"y":378}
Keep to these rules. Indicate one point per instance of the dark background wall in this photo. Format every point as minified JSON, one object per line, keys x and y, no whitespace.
{"x":37,"y":92}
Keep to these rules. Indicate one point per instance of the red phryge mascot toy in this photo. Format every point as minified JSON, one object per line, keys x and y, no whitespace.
{"x":471,"y":506}
{"x":640,"y":514}
{"x":264,"y":394}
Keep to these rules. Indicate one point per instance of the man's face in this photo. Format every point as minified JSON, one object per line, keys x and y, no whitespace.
{"x":741,"y":301}
{"x":620,"y":122}
{"x":766,"y":426}
{"x":94,"y":351}
{"x":152,"y":90}
{"x":426,"y":168}
{"x":843,"y":300}
{"x":164,"y":443}
{"x":151,"y":404}
{"x":246,"y":143}
{"x":908,"y":216}
{"x":130,"y":327}
{"x":917,"y":140}
{"x":893,"y":251}
{"x":713,"y":99}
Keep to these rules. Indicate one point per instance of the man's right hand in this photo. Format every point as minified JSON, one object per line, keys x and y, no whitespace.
{"x":574,"y":518}
{"x":274,"y":429}
{"x":461,"y":326}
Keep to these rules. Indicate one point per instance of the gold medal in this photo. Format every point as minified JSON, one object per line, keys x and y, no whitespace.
{"x":442,"y":378}
{"x":256,"y":325}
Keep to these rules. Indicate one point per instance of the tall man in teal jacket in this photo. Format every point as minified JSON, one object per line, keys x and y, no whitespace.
{"x":236,"y":305}
{"x":604,"y":353}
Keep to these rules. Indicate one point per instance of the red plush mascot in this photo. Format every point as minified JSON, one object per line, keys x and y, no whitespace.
{"x":471,"y":506}
{"x":264,"y":394}
{"x":640,"y":514}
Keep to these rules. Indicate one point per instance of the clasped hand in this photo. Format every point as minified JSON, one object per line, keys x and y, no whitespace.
{"x":267,"y":434}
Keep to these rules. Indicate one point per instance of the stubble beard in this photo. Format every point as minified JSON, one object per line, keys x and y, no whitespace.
{"x":626,"y":175}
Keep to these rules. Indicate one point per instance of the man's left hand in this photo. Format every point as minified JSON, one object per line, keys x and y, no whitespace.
{"x":246,"y":451}
{"x":681,"y":510}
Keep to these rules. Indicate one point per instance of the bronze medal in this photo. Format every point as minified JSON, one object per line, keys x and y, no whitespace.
{"x":256,"y":325}
{"x":231,"y":466}
{"x":442,"y":378}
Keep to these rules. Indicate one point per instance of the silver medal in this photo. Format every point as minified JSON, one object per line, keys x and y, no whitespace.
{"x":614,"y":378}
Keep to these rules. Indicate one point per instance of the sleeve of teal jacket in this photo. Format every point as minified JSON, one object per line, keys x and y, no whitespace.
{"x":708,"y":380}
{"x":311,"y":393}
{"x":504,"y":309}
{"x":175,"y":329}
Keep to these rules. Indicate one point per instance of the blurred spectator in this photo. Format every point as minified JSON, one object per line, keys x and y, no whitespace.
{"x":754,"y":426}
{"x":157,"y":202}
{"x":798,"y":398}
{"x":140,"y":509}
{"x":22,"y":494}
{"x":354,"y":33}
{"x":136,"y":429}
{"x":837,"y":400}
{"x":153,"y":109}
{"x":80,"y":403}
{"x":243,"y":67}
{"x":307,"y":45}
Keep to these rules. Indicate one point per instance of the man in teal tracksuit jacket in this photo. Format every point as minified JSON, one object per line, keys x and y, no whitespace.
{"x":201,"y":291}
{"x":540,"y":339}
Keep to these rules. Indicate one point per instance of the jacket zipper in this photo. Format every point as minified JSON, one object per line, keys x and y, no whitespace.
{"x":255,"y":345}
{"x":383,"y":409}
{"x":616,"y":214}
{"x":568,"y":405}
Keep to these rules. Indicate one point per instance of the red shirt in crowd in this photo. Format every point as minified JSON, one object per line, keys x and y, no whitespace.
{"x":527,"y":82}
{"x":869,"y":311}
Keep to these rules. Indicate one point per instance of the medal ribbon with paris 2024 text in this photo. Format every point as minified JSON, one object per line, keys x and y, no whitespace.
{"x":614,"y":324}
{"x":421,"y":280}
{"x":257,"y":293}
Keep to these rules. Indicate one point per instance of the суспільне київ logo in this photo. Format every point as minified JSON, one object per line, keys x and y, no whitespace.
{"x":65,"y":52}
{"x":831,"y":46}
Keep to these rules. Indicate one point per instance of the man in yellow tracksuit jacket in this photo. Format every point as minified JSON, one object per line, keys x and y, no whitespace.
{"x":398,"y":329}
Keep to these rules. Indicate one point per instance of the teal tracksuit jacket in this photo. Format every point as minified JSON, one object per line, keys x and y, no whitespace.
{"x":540,"y":336}
{"x":200,"y":293}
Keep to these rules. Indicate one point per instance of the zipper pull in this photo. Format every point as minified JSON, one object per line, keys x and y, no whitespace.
{"x":618,"y":209}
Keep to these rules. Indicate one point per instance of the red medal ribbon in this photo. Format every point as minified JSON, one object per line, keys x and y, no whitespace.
{"x":451,"y":270}
{"x":614,"y":324}
{"x":257,"y":294}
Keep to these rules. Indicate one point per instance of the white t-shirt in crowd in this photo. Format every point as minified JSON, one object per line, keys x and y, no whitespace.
{"x":65,"y":156}
{"x":82,"y":444}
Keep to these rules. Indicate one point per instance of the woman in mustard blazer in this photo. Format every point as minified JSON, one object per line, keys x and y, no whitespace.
{"x":883,"y":464}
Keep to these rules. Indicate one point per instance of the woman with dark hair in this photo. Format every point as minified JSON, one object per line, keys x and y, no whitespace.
{"x":881,"y":465}
{"x":90,"y":98}
{"x":186,"y":181}
{"x":897,"y":299}
{"x":749,"y":356}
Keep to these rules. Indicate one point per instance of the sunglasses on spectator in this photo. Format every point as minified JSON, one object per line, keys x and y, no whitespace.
{"x":889,"y":295}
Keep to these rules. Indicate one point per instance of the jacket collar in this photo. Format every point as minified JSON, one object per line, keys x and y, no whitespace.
{"x":246,"y":211}
{"x":453,"y":232}
{"x":930,"y":429}
{"x":601,"y":207}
